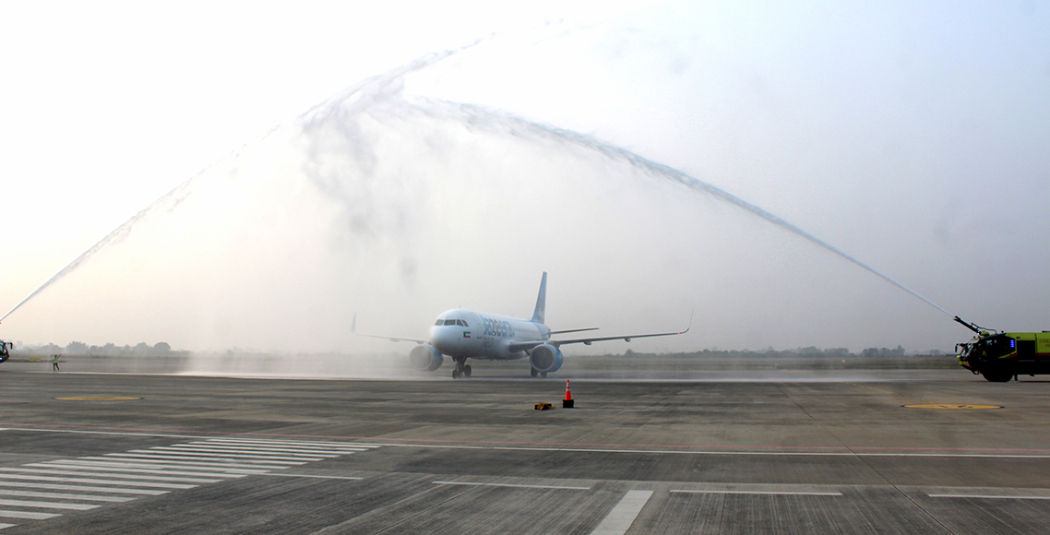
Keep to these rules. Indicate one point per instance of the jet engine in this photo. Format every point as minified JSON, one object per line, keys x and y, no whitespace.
{"x":425,"y":358}
{"x":545,"y":358}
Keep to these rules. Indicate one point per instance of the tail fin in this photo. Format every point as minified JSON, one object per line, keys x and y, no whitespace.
{"x":541,"y":301}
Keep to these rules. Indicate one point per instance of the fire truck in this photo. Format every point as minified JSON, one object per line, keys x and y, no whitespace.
{"x":1001,"y":356}
{"x":5,"y":350}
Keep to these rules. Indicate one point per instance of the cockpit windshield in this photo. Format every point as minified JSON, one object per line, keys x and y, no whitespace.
{"x":460,"y":323}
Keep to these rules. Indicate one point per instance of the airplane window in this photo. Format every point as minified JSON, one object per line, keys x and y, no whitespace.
{"x":462,"y":323}
{"x":450,"y":322}
{"x":439,"y":323}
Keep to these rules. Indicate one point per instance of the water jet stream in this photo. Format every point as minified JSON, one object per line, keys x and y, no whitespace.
{"x":387,"y":89}
{"x":478,"y":116}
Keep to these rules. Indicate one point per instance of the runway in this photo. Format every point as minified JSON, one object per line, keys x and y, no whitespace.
{"x":126,"y":453}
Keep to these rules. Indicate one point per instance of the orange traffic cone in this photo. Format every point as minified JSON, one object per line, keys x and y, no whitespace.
{"x":568,"y":403}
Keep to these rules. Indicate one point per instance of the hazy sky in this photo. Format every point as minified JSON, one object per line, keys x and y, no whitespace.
{"x":914,"y":137}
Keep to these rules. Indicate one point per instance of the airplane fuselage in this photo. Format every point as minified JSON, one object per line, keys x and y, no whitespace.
{"x":462,"y":333}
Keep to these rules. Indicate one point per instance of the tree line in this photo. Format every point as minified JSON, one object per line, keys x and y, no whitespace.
{"x":142,"y":349}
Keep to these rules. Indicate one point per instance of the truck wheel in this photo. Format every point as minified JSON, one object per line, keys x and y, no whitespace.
{"x":998,"y":376}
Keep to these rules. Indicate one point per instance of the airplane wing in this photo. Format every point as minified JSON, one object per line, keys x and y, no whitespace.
{"x":353,"y":329}
{"x":626,"y":338}
{"x":525,"y":346}
{"x":574,"y":330}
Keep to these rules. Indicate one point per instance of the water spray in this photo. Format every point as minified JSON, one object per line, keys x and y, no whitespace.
{"x":477,"y":116}
{"x":388,"y":87}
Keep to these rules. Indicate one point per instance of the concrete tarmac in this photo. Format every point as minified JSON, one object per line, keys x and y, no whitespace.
{"x":829,"y":452}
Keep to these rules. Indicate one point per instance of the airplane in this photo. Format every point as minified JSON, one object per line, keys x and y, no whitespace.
{"x":461,"y":334}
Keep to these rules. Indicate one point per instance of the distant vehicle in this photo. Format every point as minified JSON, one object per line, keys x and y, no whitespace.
{"x":5,"y":350}
{"x":462,"y":334}
{"x":1001,"y":356}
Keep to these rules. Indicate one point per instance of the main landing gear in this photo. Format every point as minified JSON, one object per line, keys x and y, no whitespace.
{"x":537,"y":373}
{"x":462,"y":369}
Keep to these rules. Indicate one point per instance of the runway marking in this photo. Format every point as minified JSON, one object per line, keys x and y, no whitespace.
{"x":1022,"y":453}
{"x":145,"y":454}
{"x":68,"y":466}
{"x":52,"y":486}
{"x":342,"y":445}
{"x":246,"y":454}
{"x":278,"y":450}
{"x":151,"y":468}
{"x":513,"y":485}
{"x":352,"y":478}
{"x":48,"y":505}
{"x":619,"y":520}
{"x":761,"y":492}
{"x":766,"y":453}
{"x":99,"y":398}
{"x":57,"y":479}
{"x":2,"y":525}
{"x":105,"y":474}
{"x":989,"y":496}
{"x":64,"y":496}
{"x":27,"y":515}
{"x":988,"y":493}
{"x":951,"y":406}
{"x":160,"y":469}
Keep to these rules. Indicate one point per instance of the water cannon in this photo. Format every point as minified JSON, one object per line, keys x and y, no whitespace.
{"x":980,"y":331}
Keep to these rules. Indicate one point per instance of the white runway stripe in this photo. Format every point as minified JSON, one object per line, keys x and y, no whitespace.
{"x":990,"y":496}
{"x":296,"y":443}
{"x":73,"y":466}
{"x":260,"y":454}
{"x":278,"y":445}
{"x":224,"y":455}
{"x":24,"y":514}
{"x":144,"y":454}
{"x":513,"y":485}
{"x":79,"y":488}
{"x":223,"y":450}
{"x":47,"y":505}
{"x":104,"y":474}
{"x":311,"y":476}
{"x":761,"y":492}
{"x":267,"y":449}
{"x":622,"y":516}
{"x":93,"y":481}
{"x":175,"y":460}
{"x":65,"y":496}
{"x":28,"y":477}
{"x":163,"y":468}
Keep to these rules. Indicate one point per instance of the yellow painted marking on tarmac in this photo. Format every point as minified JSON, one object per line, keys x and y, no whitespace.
{"x":99,"y":398}
{"x":928,"y":404}
{"x":952,"y":406}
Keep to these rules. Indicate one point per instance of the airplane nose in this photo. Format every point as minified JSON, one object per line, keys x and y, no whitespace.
{"x":443,"y":339}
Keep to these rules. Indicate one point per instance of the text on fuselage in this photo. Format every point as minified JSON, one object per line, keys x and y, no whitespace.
{"x":497,"y":328}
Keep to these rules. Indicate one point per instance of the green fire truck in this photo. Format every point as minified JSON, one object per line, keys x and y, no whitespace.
{"x":1001,"y":356}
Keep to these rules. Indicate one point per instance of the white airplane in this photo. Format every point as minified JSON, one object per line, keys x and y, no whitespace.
{"x":462,"y":334}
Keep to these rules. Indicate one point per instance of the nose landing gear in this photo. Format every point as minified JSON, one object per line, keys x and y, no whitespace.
{"x":462,"y":368}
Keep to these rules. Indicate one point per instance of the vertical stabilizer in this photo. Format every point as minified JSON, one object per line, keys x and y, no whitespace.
{"x":541,"y":301}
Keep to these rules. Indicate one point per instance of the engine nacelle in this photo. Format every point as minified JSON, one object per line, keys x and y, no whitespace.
{"x":545,"y":358}
{"x":425,"y":358}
